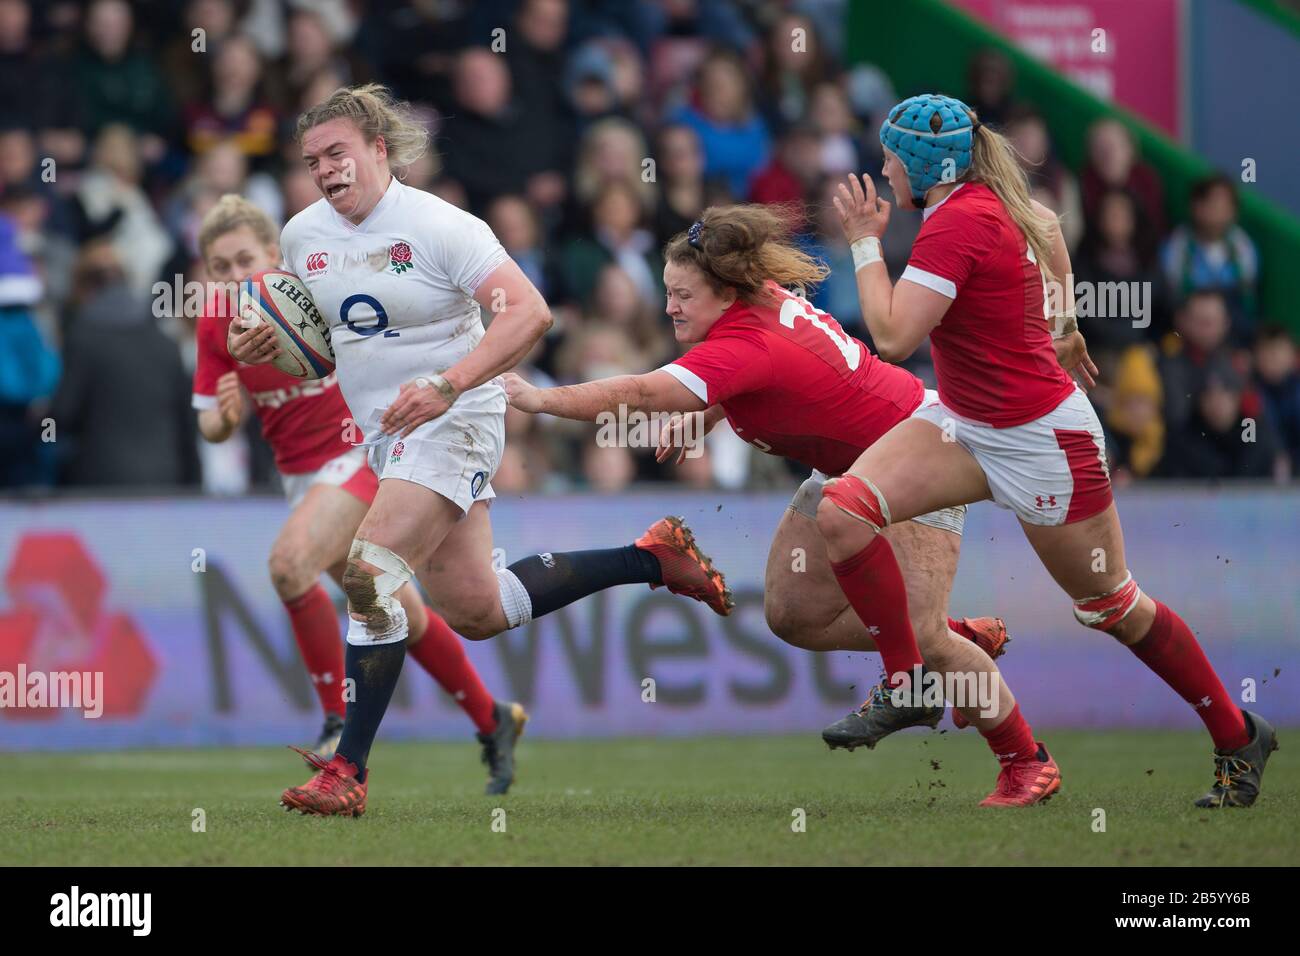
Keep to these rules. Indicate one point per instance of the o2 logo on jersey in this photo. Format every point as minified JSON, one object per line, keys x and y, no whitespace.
{"x":381,"y":317}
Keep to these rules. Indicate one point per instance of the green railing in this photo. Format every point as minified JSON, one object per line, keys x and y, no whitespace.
{"x":927,"y":45}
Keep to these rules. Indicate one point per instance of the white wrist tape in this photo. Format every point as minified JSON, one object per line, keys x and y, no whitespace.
{"x":866,"y":251}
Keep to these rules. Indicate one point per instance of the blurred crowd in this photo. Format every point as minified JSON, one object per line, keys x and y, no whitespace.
{"x":586,"y":133}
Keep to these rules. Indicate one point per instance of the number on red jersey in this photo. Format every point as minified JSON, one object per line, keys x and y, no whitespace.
{"x":795,"y":307}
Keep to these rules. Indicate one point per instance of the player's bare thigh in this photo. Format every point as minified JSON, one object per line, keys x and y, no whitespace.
{"x":1087,"y":559}
{"x":461,"y":580}
{"x":801,"y":597}
{"x":918,"y":471}
{"x":316,"y":537}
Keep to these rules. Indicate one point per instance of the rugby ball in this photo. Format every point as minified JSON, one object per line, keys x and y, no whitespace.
{"x":281,"y":298}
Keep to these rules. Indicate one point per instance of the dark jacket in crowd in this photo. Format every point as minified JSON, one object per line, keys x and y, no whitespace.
{"x":122,"y":411}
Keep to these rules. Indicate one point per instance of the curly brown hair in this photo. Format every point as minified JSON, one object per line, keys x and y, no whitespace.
{"x":742,"y":247}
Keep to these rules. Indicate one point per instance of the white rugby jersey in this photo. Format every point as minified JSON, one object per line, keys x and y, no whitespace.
{"x":397,"y":291}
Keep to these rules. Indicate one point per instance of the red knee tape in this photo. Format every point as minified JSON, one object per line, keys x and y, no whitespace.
{"x":859,"y":499}
{"x":1106,"y":610}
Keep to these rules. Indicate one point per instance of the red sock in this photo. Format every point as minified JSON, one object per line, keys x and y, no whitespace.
{"x":1012,"y":739}
{"x":1172,"y":651}
{"x":873,"y":583}
{"x":316,"y":629}
{"x":442,"y":654}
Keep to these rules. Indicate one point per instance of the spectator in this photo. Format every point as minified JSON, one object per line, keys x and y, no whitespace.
{"x":1050,"y":182}
{"x":617,"y":303}
{"x":181,"y":61}
{"x":612,"y":150}
{"x":1113,"y":163}
{"x":29,"y":369}
{"x":34,"y":90}
{"x":794,"y":172}
{"x":680,"y":171}
{"x":617,"y":235}
{"x":734,"y":136}
{"x":832,"y":117}
{"x":591,"y":86}
{"x":1135,"y":428}
{"x":123,"y":407}
{"x":1224,"y":438}
{"x":793,"y":67}
{"x":485,"y":133}
{"x":1214,"y":253}
{"x":537,"y":59}
{"x":52,"y":253}
{"x":990,"y":79}
{"x":119,"y":85}
{"x":111,"y":203}
{"x":1112,"y":252}
{"x":1277,"y":377}
{"x":1196,"y":349}
{"x":235,"y":107}
{"x":515,"y":224}
{"x":310,"y":52}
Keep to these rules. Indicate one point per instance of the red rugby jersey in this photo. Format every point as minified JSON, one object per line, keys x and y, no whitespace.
{"x":793,"y":383}
{"x":993,"y":351}
{"x":302,"y":421}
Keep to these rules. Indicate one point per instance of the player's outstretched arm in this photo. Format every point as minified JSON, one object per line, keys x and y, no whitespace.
{"x":655,"y":391}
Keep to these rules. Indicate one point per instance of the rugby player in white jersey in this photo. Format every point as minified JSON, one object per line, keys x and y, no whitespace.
{"x":401,"y":275}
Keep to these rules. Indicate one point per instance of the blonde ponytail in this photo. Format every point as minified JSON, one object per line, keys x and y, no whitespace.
{"x":994,"y":163}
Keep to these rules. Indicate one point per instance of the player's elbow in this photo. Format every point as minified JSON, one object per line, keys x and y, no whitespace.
{"x":894,"y":352}
{"x":213,"y":429}
{"x":545,"y":321}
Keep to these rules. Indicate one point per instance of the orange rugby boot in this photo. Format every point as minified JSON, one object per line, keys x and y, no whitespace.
{"x":686,"y":569}
{"x":1026,"y":781}
{"x":333,"y":791}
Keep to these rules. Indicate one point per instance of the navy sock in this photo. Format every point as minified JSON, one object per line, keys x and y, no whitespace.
{"x":554,"y":580}
{"x":374,"y":670}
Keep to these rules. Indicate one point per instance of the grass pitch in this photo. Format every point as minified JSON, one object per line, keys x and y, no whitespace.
{"x":655,"y":802}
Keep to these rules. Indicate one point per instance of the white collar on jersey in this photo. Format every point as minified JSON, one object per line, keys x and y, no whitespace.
{"x":387,"y":199}
{"x":925,"y":213}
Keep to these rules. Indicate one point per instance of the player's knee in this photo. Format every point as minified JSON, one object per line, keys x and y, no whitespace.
{"x":291,"y":568}
{"x":852,"y":510}
{"x":359,"y":586}
{"x":478,"y":617}
{"x":780,"y":620}
{"x":1111,"y":611}
{"x":373,"y":576}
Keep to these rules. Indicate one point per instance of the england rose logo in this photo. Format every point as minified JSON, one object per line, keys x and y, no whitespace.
{"x":399,"y":257}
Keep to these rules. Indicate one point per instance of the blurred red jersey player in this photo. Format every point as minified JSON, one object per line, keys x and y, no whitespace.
{"x":329,"y":487}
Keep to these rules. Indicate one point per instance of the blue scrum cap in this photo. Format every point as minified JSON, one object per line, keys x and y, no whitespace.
{"x":925,"y":130}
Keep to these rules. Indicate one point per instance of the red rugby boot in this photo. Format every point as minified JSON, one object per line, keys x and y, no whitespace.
{"x":990,"y":635}
{"x":1026,"y":781}
{"x":686,"y":569}
{"x":334,"y":791}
